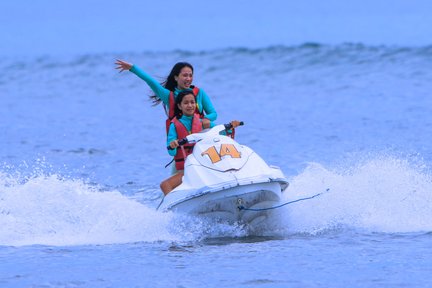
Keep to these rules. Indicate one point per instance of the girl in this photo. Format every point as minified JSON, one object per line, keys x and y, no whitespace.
{"x":185,"y":122}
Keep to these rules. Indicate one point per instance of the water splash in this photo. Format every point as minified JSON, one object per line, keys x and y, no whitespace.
{"x":51,"y":210}
{"x":381,"y":194}
{"x":54,"y":211}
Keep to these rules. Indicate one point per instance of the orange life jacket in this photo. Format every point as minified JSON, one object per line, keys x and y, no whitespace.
{"x":170,"y":112}
{"x":182,"y":132}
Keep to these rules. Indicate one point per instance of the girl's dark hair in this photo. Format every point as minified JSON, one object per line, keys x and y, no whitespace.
{"x":170,"y":82}
{"x":177,"y":112}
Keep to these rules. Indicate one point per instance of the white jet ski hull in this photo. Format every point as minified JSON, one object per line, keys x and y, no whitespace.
{"x":231,"y":204}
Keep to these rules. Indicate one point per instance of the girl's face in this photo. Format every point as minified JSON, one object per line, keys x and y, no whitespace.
{"x":184,"y":79}
{"x":187,"y":105}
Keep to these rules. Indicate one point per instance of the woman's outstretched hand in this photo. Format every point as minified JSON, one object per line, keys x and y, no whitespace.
{"x":122,"y":65}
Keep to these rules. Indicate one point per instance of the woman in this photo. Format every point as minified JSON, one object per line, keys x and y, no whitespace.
{"x":179,"y":79}
{"x":185,"y":122}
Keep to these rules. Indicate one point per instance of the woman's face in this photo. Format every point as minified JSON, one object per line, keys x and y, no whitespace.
{"x":187,"y":105}
{"x":184,"y":79}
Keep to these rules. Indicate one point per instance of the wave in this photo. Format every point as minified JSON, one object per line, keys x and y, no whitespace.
{"x":304,"y":55}
{"x":342,"y":50}
{"x":352,"y":60}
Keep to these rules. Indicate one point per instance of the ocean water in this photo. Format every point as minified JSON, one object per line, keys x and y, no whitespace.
{"x":82,"y":155}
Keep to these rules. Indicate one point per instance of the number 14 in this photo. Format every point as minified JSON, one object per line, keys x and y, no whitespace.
{"x":225,"y":150}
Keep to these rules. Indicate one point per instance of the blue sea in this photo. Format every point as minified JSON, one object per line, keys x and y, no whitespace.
{"x":82,"y":154}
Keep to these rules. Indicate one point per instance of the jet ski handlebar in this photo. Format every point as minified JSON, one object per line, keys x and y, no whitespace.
{"x":183,"y":141}
{"x":189,"y":138}
{"x":230,"y":126}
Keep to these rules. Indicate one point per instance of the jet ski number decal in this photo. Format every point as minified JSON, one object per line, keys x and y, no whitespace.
{"x":225,"y":150}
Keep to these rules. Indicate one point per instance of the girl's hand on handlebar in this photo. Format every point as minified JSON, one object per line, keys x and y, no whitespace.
{"x":174,"y":144}
{"x":235,"y":123}
{"x":205,"y":123}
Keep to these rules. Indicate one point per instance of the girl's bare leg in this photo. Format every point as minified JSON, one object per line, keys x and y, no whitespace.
{"x":171,"y":183}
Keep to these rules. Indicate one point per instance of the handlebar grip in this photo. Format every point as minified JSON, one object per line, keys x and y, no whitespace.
{"x":229,"y":125}
{"x":180,"y":142}
{"x":183,"y":141}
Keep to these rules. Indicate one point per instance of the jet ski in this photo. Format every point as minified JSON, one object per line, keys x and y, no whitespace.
{"x":226,"y":181}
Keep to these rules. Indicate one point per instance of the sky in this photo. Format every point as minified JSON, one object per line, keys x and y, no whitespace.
{"x":45,"y":27}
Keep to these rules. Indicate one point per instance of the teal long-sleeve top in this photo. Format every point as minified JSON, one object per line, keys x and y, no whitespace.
{"x":202,"y":98}
{"x":172,"y":132}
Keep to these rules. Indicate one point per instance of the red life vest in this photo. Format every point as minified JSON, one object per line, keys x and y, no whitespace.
{"x":182,"y":132}
{"x":170,"y":112}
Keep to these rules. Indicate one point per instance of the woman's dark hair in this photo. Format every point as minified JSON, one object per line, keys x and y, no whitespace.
{"x":177,"y":112}
{"x":170,"y":83}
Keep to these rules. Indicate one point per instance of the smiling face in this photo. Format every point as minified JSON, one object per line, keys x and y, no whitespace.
{"x":184,"y":79}
{"x":187,"y":105}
